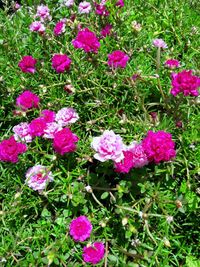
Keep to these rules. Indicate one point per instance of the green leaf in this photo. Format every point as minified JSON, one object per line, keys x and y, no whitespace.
{"x":192,"y":262}
{"x":104,"y":195}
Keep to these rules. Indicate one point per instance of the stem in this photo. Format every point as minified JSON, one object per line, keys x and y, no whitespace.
{"x":97,"y":201}
{"x":158,"y":60}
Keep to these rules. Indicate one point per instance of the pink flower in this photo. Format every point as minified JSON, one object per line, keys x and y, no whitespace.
{"x":37,"y":126}
{"x":60,"y":27}
{"x":126,"y":164}
{"x":117,"y":59}
{"x":106,"y":30}
{"x":38,"y":177}
{"x":108,"y":146}
{"x":186,"y":83}
{"x":43,"y":12}
{"x":80,"y":228}
{"x":120,"y":3}
{"x":37,"y":26}
{"x":22,"y":132}
{"x":172,"y":63}
{"x":17,"y":6}
{"x":66,"y":116}
{"x":159,"y":43}
{"x":51,"y":129}
{"x":101,"y":9}
{"x":86,"y":40}
{"x":68,"y":3}
{"x":84,"y":7}
{"x":139,"y":156}
{"x":61,"y":63}
{"x":48,"y":115}
{"x":10,"y":150}
{"x":64,"y":141}
{"x":27,"y":64}
{"x":94,"y":253}
{"x":159,"y":146}
{"x":134,"y":157}
{"x":27,"y":100}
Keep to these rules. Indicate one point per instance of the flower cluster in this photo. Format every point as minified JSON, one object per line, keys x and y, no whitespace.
{"x":186,"y":83}
{"x":80,"y":230}
{"x":156,"y":147}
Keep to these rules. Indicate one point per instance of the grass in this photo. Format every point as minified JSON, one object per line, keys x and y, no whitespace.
{"x":35,"y":227}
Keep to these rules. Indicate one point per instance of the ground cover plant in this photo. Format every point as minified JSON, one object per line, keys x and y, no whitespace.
{"x":99,"y":140}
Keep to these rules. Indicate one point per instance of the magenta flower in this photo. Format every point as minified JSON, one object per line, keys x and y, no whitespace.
{"x":86,"y":40}
{"x":17,"y":6}
{"x":120,"y":3}
{"x":117,"y":59}
{"x":106,"y":30}
{"x":108,"y":146}
{"x":38,"y":177}
{"x":37,"y":26}
{"x":37,"y":126}
{"x":51,"y":129}
{"x":48,"y":115}
{"x":100,"y":9}
{"x":22,"y":132}
{"x":27,"y":64}
{"x":66,"y":116}
{"x":60,"y":27}
{"x":10,"y":150}
{"x":27,"y":100}
{"x":186,"y":83}
{"x":159,"y":146}
{"x":126,"y":164}
{"x":64,"y":141}
{"x":80,"y":228}
{"x":172,"y":63}
{"x":61,"y":63}
{"x":84,"y":7}
{"x":94,"y":253}
{"x":43,"y":12}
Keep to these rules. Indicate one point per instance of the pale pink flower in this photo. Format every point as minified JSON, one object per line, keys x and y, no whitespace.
{"x":50,"y":130}
{"x":38,"y":177}
{"x":68,"y":3}
{"x":159,"y":43}
{"x":80,"y":228}
{"x":84,"y":7}
{"x":43,"y":12}
{"x":22,"y":132}
{"x":108,"y":146}
{"x":94,"y":253}
{"x":139,"y":156}
{"x":37,"y":26}
{"x":66,"y":116}
{"x":17,"y":6}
